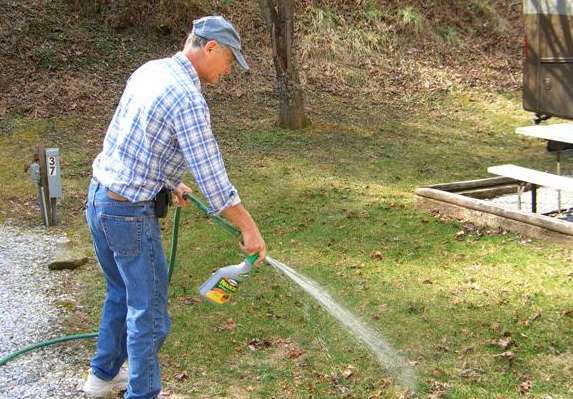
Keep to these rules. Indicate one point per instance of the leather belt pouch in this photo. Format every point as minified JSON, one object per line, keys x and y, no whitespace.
{"x":162,"y":200}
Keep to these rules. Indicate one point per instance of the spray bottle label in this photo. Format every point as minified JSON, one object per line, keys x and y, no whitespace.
{"x":222,"y":291}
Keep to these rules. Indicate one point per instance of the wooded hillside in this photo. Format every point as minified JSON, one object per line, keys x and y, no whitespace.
{"x":61,"y":57}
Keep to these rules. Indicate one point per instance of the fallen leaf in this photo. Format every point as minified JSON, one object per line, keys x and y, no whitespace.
{"x":494,"y":232}
{"x":342,"y":390}
{"x":181,"y":376}
{"x":189,"y":300}
{"x":437,"y":373}
{"x":229,"y":325}
{"x":529,"y":321}
{"x":525,"y":387}
{"x":376,"y":395}
{"x":468,"y":373}
{"x":469,"y":227}
{"x":505,"y":342}
{"x":438,"y":389}
{"x":295,"y":353}
{"x":348,"y":372}
{"x":256,"y":344}
{"x":509,"y":355}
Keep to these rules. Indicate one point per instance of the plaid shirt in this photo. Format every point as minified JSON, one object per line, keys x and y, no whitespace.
{"x":161,"y":126}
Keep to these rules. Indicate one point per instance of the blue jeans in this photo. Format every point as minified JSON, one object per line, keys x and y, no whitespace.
{"x":134,"y":321}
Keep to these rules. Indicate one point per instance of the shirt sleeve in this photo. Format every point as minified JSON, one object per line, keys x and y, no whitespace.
{"x":172,"y":183}
{"x":203,"y":157}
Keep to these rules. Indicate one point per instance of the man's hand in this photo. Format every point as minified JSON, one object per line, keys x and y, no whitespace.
{"x":179,"y":192}
{"x":253,"y":242}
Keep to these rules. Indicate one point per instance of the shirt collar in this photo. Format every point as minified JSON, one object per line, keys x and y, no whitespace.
{"x":184,"y":62}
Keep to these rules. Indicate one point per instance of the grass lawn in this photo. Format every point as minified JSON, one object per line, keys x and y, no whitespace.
{"x":482,"y":315}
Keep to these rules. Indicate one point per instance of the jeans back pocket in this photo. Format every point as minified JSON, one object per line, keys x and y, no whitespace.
{"x":123,"y":233}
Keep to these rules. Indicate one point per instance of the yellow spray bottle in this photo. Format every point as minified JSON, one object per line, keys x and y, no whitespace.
{"x":225,"y":281}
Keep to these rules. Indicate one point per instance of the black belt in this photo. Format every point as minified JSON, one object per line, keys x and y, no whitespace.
{"x":161,"y":201}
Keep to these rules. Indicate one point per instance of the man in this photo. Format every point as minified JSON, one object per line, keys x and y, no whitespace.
{"x":161,"y":127}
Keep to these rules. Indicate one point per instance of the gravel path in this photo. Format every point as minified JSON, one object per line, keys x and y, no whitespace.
{"x":29,"y":312}
{"x":546,"y":201}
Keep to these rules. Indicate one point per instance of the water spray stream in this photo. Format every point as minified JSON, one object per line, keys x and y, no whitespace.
{"x":394,"y":363}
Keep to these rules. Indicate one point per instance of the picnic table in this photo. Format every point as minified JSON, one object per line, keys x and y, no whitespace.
{"x":560,"y":133}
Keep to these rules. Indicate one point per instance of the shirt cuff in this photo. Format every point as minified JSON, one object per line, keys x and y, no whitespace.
{"x":233,"y":200}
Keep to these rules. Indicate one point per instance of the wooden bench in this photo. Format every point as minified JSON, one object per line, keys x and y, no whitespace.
{"x":561,"y":132}
{"x":535,"y":178}
{"x":559,"y":136}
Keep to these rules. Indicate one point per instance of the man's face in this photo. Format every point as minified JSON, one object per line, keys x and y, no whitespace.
{"x":219,"y":62}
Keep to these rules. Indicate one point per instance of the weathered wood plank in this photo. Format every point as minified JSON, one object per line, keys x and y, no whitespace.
{"x":545,"y":222}
{"x":473,"y":184}
{"x":533,"y":176}
{"x":562,"y":132}
{"x":485,"y":219}
{"x":492,"y":192}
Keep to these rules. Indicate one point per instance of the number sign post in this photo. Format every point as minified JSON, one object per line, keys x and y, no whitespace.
{"x":53,"y":169}
{"x":54,"y":181}
{"x":50,"y":182}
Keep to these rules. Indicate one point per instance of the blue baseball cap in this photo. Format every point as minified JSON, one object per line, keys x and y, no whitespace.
{"x":222,"y":31}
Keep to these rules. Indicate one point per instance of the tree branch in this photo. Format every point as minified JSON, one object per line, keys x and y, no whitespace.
{"x":269,"y":13}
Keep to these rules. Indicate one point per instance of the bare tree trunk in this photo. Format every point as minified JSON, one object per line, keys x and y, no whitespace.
{"x":279,"y":19}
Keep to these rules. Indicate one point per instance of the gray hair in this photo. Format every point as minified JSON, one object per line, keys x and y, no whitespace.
{"x":199,"y":42}
{"x":195,"y":41}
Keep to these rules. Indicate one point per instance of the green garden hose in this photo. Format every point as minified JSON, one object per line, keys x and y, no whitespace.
{"x":42,"y":344}
{"x":224,"y":223}
{"x":172,"y":258}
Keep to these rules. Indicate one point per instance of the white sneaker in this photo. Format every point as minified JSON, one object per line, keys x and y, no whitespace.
{"x":95,"y":387}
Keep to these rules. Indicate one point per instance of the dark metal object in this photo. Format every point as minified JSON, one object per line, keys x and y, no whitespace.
{"x":553,"y":146}
{"x":548,"y":63}
{"x":162,"y":201}
{"x":534,"y":198}
{"x":538,"y":118}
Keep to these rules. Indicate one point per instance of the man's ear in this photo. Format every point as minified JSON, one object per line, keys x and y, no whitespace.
{"x":210,"y":46}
